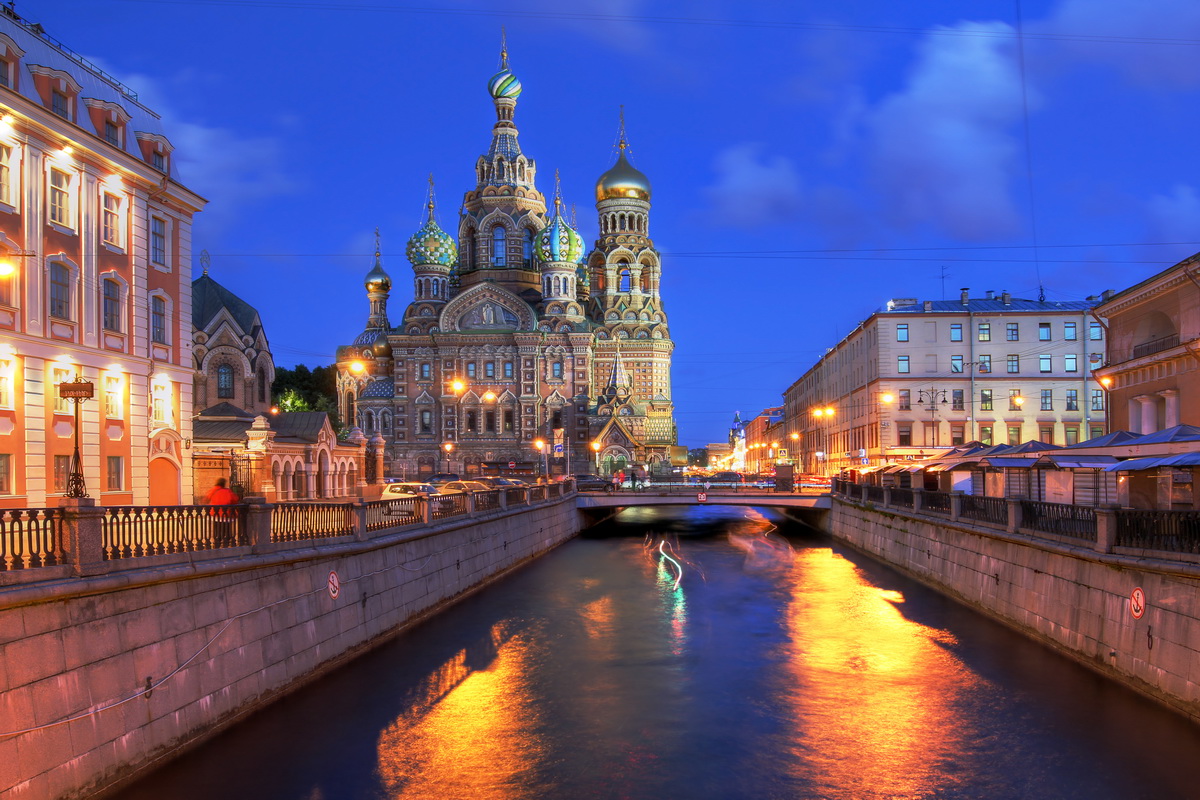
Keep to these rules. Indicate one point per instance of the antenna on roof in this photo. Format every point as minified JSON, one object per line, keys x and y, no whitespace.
{"x":1041,"y":293}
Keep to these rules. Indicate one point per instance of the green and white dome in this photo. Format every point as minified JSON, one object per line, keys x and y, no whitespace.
{"x":558,"y":241}
{"x":432,"y":245}
{"x":504,"y":84}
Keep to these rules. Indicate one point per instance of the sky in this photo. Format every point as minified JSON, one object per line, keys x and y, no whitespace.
{"x":809,"y":160}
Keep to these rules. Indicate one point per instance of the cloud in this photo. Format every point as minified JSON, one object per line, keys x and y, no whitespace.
{"x":1174,"y":217}
{"x":752,"y":189}
{"x":943,"y":149}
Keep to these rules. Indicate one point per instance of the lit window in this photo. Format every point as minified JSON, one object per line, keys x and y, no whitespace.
{"x":1070,"y":332}
{"x":115,"y":473}
{"x":1071,"y":363}
{"x":499,"y":246}
{"x":1043,"y":331}
{"x":902,"y":333}
{"x":985,"y":363}
{"x":985,"y":434}
{"x":59,"y":105}
{"x":1072,"y":399}
{"x":60,"y":291}
{"x":225,"y":381}
{"x":112,"y":219}
{"x":1014,"y":400}
{"x":61,"y":404}
{"x":1047,"y":399}
{"x":158,"y":320}
{"x":5,"y":474}
{"x":508,"y":421}
{"x":6,"y":380}
{"x":985,"y":399}
{"x":1045,"y":364}
{"x":111,"y":312}
{"x":956,"y":363}
{"x":60,"y":198}
{"x":985,"y":331}
{"x":113,"y":407}
{"x":1014,"y":434}
{"x":902,"y":364}
{"x":62,"y":468}
{"x":1014,"y":364}
{"x":5,"y":174}
{"x":158,"y":241}
{"x":161,"y":405}
{"x":956,"y":332}
{"x":1095,"y":332}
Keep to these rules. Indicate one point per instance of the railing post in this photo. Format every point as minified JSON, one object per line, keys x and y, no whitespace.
{"x":502,"y":499}
{"x":1106,"y":529}
{"x":470,"y":502}
{"x":862,"y":492}
{"x":887,"y":496}
{"x":83,"y":534}
{"x":1014,"y":514}
{"x":258,"y":523}
{"x":358,"y":511}
{"x":425,"y":509}
{"x":917,"y":499}
{"x":956,"y":501}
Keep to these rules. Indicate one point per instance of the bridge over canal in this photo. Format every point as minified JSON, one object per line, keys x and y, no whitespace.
{"x":811,"y":509}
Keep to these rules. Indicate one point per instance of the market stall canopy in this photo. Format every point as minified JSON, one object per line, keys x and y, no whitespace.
{"x":1072,"y":461}
{"x":1150,"y":462}
{"x":1179,"y":433}
{"x":1009,"y":462}
{"x":1107,"y":440}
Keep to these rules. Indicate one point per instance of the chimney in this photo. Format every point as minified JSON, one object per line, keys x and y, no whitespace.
{"x":1091,"y":298}
{"x":929,"y":305}
{"x":991,"y":294}
{"x":1006,"y":297}
{"x":964,"y":295}
{"x":1107,"y":295}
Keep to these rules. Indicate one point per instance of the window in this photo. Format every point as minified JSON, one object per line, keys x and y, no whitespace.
{"x":902,"y":333}
{"x":59,"y":104}
{"x":472,"y":422}
{"x":1097,"y":432}
{"x":1014,"y":434}
{"x":1014,"y":364}
{"x":527,"y":248}
{"x":225,"y":381}
{"x":1045,"y":364}
{"x":112,"y":134}
{"x":904,"y":435}
{"x":556,"y":369}
{"x":1012,"y":332}
{"x":111,"y":305}
{"x":1046,"y":434}
{"x":158,"y":160}
{"x":471,"y":368}
{"x":985,"y":434}
{"x":1072,"y":399}
{"x":623,"y":280}
{"x":489,"y":370}
{"x":958,"y":434}
{"x":1047,"y":400}
{"x":158,"y":241}
{"x":499,"y":246}
{"x":1097,"y":399}
{"x":426,"y":372}
{"x":60,"y":291}
{"x":111,"y":224}
{"x":115,"y":473}
{"x":508,"y":369}
{"x":5,"y":73}
{"x":957,"y":400}
{"x":985,"y":331}
{"x":985,"y":399}
{"x":1072,"y":434}
{"x":985,"y":364}
{"x":426,"y":422}
{"x":1095,"y":332}
{"x":508,"y":420}
{"x":60,"y":198}
{"x":956,"y":363}
{"x":1015,"y":400}
{"x":62,"y":468}
{"x":905,"y":403}
{"x":113,"y":407}
{"x":956,"y":332}
{"x":1071,"y":363}
{"x":489,"y":421}
{"x":6,"y":382}
{"x":5,"y":474}
{"x":158,"y":320}
{"x":61,"y":404}
{"x":1070,"y":333}
{"x":902,"y":364}
{"x":1043,"y":331}
{"x":5,"y":174}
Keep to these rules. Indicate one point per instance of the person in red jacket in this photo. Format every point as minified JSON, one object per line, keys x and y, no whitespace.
{"x":218,"y":496}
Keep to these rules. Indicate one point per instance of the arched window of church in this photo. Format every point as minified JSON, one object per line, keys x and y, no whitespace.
{"x":623,"y":279}
{"x":527,"y":248}
{"x":499,"y":246}
{"x":557,"y":285}
{"x":351,"y":407}
{"x":466,"y":250}
{"x":262,"y":385}
{"x":225,"y":381}
{"x":556,"y":369}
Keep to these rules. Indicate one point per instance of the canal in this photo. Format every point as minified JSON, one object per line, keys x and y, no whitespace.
{"x":700,"y":653}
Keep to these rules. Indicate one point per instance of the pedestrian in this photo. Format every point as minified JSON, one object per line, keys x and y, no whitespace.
{"x":221,"y":498}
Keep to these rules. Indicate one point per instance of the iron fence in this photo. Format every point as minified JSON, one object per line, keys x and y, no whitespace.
{"x":875,"y":494}
{"x":447,"y":505}
{"x":487,"y":501}
{"x":984,"y":509}
{"x":514,"y":495}
{"x":390,"y":513}
{"x":30,"y":537}
{"x":139,"y":531}
{"x":1171,"y":531}
{"x":936,"y":502}
{"x":296,"y":522}
{"x":902,"y":498}
{"x":1077,"y":522}
{"x":537,"y":494}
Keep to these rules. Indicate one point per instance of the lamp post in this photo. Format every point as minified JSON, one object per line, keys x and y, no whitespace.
{"x":1105,"y":383}
{"x":596,"y":455}
{"x":448,"y":447}
{"x":543,"y":462}
{"x":77,"y":391}
{"x":795,"y":437}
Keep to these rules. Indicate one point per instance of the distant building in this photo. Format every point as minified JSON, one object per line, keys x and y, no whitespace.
{"x":514,"y":337}
{"x":95,"y":236}
{"x":921,"y":376}
{"x":1153,"y":359}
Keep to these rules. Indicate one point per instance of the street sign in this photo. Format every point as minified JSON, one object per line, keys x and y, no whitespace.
{"x":512,"y":465}
{"x":701,"y":497}
{"x":335,"y":585}
{"x":1137,"y":603}
{"x":72,"y":390}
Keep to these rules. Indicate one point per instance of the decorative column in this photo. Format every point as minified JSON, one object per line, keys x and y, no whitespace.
{"x":1171,"y":399}
{"x":1149,"y":412}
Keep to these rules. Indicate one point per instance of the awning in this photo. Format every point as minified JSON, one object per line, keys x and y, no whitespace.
{"x":1136,"y":464}
{"x":1182,"y":460}
{"x":1004,"y":462}
{"x":893,"y":468}
{"x":1072,"y":461}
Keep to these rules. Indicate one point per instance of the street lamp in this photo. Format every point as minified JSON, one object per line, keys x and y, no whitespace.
{"x":540,"y":444}
{"x":822,"y":413}
{"x":795,"y":437}
{"x":596,"y":451}
{"x":77,"y":391}
{"x":448,"y":447}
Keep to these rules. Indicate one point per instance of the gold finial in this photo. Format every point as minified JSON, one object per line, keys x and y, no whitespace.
{"x":503,"y":49}
{"x":377,"y":243}
{"x":621,"y":143}
{"x":557,"y":193}
{"x":204,"y":259}
{"x":429,"y":202}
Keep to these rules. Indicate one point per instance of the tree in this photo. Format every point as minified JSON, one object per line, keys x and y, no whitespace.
{"x":698,"y":457}
{"x":302,"y":389}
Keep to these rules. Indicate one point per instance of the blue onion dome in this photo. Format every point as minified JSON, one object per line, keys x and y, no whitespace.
{"x":432,"y":245}
{"x":504,"y":84}
{"x":558,"y":241}
{"x":623,"y":180}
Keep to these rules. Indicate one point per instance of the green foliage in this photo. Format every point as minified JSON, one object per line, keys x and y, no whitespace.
{"x":698,"y":457}
{"x":302,"y":389}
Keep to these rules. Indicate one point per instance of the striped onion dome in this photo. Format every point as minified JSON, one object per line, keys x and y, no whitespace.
{"x":558,"y":242}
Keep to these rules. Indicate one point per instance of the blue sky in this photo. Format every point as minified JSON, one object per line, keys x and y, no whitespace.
{"x":809,"y":160}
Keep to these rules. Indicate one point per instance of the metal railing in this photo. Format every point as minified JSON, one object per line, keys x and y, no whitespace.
{"x":902,"y":497}
{"x":1077,"y":522}
{"x":875,"y":494}
{"x":140,"y":531}
{"x":984,"y":509}
{"x":389,"y":513}
{"x":936,"y":502}
{"x":1155,"y":346}
{"x":1171,"y":531}
{"x":447,"y":505}
{"x":515,"y":495}
{"x":487,"y":501}
{"x":30,"y":537}
{"x":295,"y":522}
{"x":537,"y":494}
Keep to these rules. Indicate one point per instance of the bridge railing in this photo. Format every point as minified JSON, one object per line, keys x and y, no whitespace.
{"x":1169,"y":531}
{"x":85,"y":538}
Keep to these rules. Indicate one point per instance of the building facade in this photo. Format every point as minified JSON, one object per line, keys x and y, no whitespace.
{"x":515,"y":336}
{"x":919,"y":377}
{"x":1152,"y":369}
{"x":95,"y":282}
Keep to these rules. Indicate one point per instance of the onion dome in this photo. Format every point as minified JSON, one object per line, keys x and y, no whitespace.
{"x":558,"y":242}
{"x":430,"y":244}
{"x":504,"y":83}
{"x":381,"y":348}
{"x":623,"y":180}
{"x":377,"y":280}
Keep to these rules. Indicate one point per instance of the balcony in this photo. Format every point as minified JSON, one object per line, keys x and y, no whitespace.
{"x":1155,"y":346}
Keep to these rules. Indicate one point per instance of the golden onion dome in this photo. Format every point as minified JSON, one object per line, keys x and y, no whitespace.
{"x":377,"y":280}
{"x":623,"y":181}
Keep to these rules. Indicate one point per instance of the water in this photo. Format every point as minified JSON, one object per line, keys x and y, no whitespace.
{"x":779,"y":666}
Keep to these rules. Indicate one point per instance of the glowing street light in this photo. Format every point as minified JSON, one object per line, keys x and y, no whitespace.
{"x":540,"y":444}
{"x":357,"y":367}
{"x":448,"y":447}
{"x":596,"y":451}
{"x":457,"y":386}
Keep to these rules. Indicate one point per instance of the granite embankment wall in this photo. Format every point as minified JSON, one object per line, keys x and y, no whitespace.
{"x":213,"y":640}
{"x":1071,"y":597}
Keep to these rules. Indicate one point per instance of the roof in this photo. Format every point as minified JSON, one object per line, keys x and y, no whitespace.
{"x":1179,"y":433}
{"x":224,"y":409}
{"x":1116,"y":437}
{"x":1007,"y":462}
{"x":1073,"y":461}
{"x":981,"y":306}
{"x":219,"y":430}
{"x":304,"y":425}
{"x":209,"y":297}
{"x":379,"y":388}
{"x":1150,"y":462}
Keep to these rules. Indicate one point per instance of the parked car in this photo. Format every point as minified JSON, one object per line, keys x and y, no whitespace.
{"x":591,"y":483}
{"x":439,"y":478}
{"x":727,"y":477}
{"x":393,"y":490}
{"x":498,"y":482}
{"x":459,"y":487}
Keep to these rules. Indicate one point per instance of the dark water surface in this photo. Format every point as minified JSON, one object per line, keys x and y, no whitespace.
{"x":779,"y":666}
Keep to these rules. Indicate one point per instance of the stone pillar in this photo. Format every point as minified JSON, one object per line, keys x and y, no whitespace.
{"x":1014,"y":514}
{"x":470,"y":503}
{"x":887,"y":496}
{"x":258,"y":523}
{"x":862,"y":493}
{"x":1149,"y":413}
{"x":1106,"y":529}
{"x":1135,"y":416}
{"x":423,"y":507}
{"x":1171,"y":399}
{"x":380,"y":444}
{"x":82,"y":535}
{"x":502,"y":498}
{"x":918,"y":499}
{"x":358,"y":510}
{"x":956,"y":501}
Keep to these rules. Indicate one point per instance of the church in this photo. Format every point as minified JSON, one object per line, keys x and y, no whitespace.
{"x":520,"y":352}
